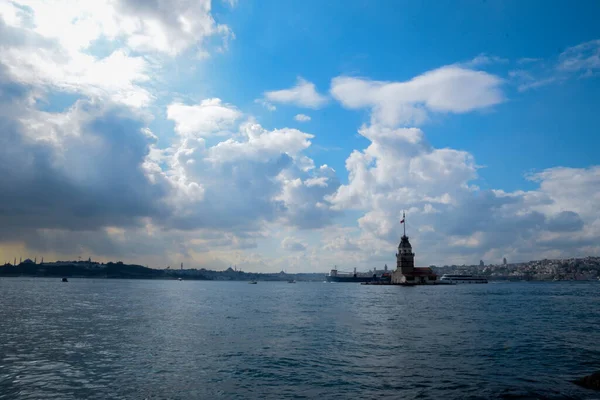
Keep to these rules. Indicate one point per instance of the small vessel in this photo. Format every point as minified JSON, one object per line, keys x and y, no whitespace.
{"x":64,"y":280}
{"x":179,"y":279}
{"x":456,"y":279}
{"x":292,"y":281}
{"x":253,"y":282}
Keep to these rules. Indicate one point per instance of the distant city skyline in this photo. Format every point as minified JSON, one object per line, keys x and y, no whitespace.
{"x":293,"y":135}
{"x":233,"y":267}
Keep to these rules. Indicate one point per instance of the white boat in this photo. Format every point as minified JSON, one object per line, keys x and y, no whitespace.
{"x":253,"y":282}
{"x":455,"y":279}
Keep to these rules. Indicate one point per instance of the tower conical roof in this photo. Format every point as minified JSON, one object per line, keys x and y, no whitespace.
{"x":404,"y":243}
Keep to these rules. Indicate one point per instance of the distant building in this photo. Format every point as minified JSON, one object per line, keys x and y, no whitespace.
{"x":405,"y":272}
{"x":481,"y":264}
{"x":504,"y":261}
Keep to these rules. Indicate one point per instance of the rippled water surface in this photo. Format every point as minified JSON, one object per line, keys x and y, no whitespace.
{"x":125,"y":339}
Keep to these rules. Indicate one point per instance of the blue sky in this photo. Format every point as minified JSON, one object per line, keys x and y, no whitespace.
{"x":396,"y":41}
{"x":276,"y":135}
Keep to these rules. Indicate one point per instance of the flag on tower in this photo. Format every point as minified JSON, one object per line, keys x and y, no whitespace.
{"x":402,"y":221}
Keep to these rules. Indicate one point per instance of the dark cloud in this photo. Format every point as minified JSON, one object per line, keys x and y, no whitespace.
{"x":307,"y":207}
{"x":292,"y":244}
{"x":566,"y":221}
{"x":86,"y":176}
{"x":238,"y":195}
{"x":479,"y":212}
{"x":71,"y":178}
{"x":567,"y":244}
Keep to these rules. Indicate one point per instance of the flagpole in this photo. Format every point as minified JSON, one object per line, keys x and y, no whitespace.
{"x":404,"y":223}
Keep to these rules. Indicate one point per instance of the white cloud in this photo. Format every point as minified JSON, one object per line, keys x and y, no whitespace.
{"x":306,"y":199}
{"x":320,"y":181}
{"x":447,"y":89}
{"x":526,"y":80}
{"x":528,"y":60}
{"x":204,"y":199}
{"x":292,"y":244}
{"x":50,"y":44}
{"x":450,"y":219}
{"x":584,"y":57}
{"x":266,"y":104}
{"x":302,"y":118}
{"x":576,"y":189}
{"x":340,"y":243}
{"x":397,"y":162}
{"x":116,"y":77}
{"x":197,"y":200}
{"x":260,"y":144}
{"x":534,"y":84}
{"x":255,"y":176}
{"x":209,"y":117}
{"x":449,"y":216}
{"x":304,"y":94}
{"x":162,"y":26}
{"x":223,"y":187}
{"x":483,"y":60}
{"x":580,"y":61}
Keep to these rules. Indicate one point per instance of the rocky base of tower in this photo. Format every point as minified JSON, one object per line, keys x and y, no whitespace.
{"x":418,"y":276}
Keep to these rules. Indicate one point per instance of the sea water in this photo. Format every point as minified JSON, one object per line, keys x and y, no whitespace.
{"x":153,"y":339}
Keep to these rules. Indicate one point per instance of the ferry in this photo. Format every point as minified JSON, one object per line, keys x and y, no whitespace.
{"x":454,"y":279}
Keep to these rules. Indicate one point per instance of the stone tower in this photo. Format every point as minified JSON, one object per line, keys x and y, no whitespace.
{"x":405,"y":258}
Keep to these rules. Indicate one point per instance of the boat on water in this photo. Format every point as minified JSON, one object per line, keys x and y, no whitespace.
{"x":459,"y":279}
{"x":179,"y":279}
{"x":64,"y":280}
{"x":253,"y":282}
{"x":359,"y":277}
{"x":292,"y":281}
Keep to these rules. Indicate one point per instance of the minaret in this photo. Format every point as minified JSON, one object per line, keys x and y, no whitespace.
{"x":405,"y":258}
